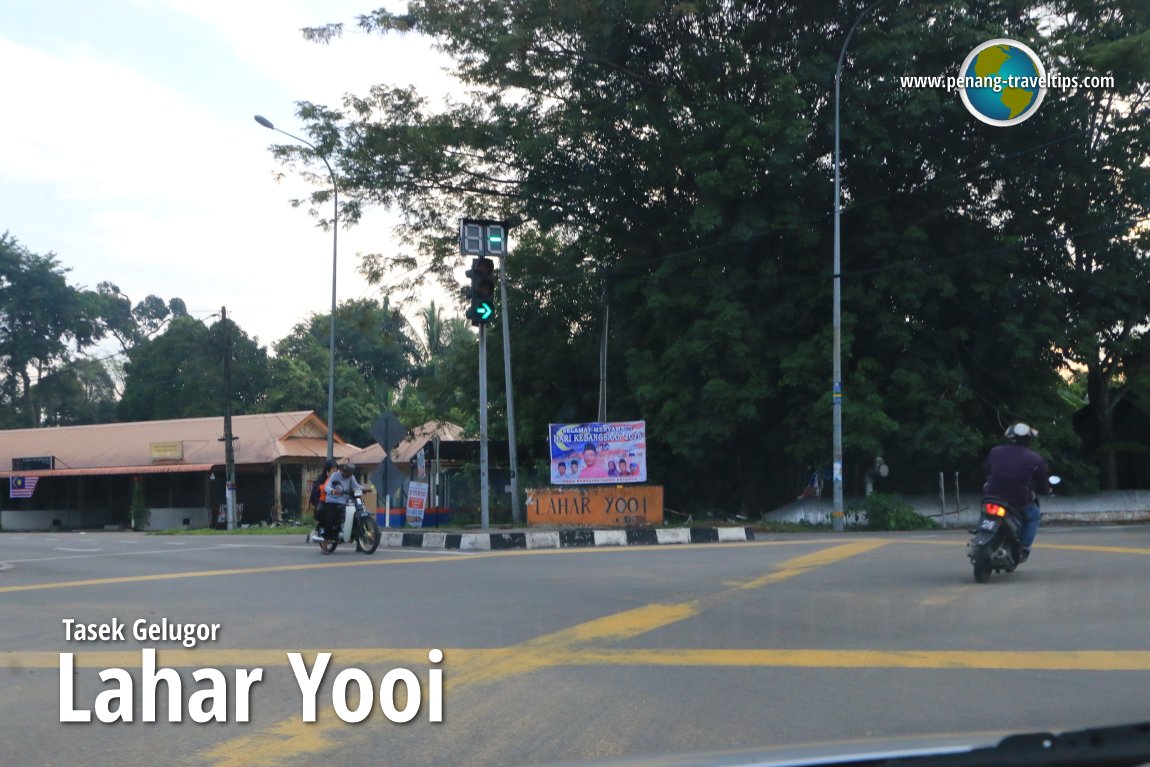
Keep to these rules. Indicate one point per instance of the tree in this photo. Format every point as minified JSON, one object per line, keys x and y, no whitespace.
{"x":678,"y":153}
{"x":43,"y":322}
{"x":83,"y":393}
{"x":179,"y":373}
{"x":130,"y":325}
{"x":1085,"y":200}
{"x":375,"y":355}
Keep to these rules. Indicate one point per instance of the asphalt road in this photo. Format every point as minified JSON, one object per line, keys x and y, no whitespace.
{"x":569,"y":655}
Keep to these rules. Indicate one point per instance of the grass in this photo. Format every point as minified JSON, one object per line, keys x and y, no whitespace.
{"x":237,"y":531}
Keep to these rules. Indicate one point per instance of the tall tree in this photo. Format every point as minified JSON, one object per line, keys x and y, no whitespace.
{"x":129,"y":324}
{"x":1083,"y":203}
{"x":376,"y":354}
{"x":678,"y":153}
{"x":179,"y":373}
{"x":43,"y":322}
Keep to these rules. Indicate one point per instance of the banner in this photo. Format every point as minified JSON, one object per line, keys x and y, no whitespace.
{"x":416,"y":503}
{"x":599,"y":453}
{"x":22,"y":487}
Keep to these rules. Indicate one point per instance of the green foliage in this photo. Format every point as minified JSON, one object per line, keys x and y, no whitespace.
{"x":41,"y":319}
{"x":140,"y":512}
{"x":375,"y":357}
{"x":676,"y":154}
{"x":180,"y":373}
{"x":886,"y":512}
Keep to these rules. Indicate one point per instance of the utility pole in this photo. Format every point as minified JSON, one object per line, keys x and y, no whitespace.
{"x":603,"y":350}
{"x":513,"y":456}
{"x":229,"y":447}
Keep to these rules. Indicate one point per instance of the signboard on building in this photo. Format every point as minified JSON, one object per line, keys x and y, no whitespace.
{"x":34,"y":463}
{"x":619,"y":506}
{"x":599,"y":453}
{"x":166,"y":451}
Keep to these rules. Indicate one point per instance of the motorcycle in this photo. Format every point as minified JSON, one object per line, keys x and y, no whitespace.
{"x":996,"y":544}
{"x":359,"y":525}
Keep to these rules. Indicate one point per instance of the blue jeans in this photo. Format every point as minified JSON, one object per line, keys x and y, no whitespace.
{"x":1033,"y":515}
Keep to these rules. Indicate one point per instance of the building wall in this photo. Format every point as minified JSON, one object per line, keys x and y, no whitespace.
{"x":55,"y":519}
{"x":95,"y":519}
{"x":179,"y":519}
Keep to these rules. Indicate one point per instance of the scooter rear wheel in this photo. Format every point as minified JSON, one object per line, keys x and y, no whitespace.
{"x":982,"y":569}
{"x":328,"y":547}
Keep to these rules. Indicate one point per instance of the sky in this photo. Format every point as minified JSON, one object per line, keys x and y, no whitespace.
{"x":131,"y":152}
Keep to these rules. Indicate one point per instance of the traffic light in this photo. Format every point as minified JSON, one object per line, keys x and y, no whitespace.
{"x":471,"y":238}
{"x":496,"y":239}
{"x":481,"y":237}
{"x":482,"y":291}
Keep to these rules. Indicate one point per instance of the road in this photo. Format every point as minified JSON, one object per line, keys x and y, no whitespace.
{"x":568,"y":655}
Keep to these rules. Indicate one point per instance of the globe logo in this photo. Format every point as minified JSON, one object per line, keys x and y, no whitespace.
{"x":1002,"y":82}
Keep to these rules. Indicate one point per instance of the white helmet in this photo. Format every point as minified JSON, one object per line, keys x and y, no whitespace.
{"x":1019,"y":432}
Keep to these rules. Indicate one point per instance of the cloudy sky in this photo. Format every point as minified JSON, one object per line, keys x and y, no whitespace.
{"x":131,"y":153}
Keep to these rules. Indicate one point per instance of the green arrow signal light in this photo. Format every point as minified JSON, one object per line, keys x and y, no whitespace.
{"x":484,"y":311}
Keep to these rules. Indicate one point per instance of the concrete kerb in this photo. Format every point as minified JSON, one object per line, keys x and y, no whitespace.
{"x":563,"y":539}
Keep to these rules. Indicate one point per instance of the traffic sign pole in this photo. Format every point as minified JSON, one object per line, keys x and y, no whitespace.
{"x":516,"y":517}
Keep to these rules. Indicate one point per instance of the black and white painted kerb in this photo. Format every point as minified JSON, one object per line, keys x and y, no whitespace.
{"x":562,"y":539}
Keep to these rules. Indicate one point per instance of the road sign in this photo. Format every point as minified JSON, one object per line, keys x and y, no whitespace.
{"x":388,"y":431}
{"x":387,"y":480}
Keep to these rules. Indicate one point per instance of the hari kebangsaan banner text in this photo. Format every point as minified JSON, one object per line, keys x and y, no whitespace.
{"x":598,"y":453}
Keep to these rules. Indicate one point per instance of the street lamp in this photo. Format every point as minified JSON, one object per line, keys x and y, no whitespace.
{"x":838,"y":517}
{"x":334,"y":251}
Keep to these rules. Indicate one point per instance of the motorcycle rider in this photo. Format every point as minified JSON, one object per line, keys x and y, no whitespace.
{"x":1017,"y":474}
{"x":339,"y":489}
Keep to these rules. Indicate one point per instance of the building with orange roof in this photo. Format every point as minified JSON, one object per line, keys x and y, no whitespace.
{"x":83,"y":476}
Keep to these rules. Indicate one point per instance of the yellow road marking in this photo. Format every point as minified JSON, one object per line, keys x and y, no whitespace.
{"x":800,"y":565}
{"x":213,"y":573}
{"x":1104,"y":549}
{"x":471,"y":663}
{"x":327,"y":563}
{"x":620,"y":626}
{"x":1053,"y":660}
{"x":293,"y":738}
{"x":1040,"y":545}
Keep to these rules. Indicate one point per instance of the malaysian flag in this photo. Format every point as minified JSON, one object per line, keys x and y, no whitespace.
{"x":22,"y":487}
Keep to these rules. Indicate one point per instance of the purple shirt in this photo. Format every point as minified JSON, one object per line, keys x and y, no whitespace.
{"x":1015,"y":474}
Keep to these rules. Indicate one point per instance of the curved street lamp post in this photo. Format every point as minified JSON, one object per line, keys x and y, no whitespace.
{"x":334,"y":251}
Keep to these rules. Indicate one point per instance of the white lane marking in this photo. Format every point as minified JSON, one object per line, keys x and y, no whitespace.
{"x":83,"y":551}
{"x":115,"y":554}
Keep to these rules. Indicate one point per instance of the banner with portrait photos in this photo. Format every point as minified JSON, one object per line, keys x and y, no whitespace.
{"x":598,"y":453}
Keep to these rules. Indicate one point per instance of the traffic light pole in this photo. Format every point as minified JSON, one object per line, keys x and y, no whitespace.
{"x":484,"y":488}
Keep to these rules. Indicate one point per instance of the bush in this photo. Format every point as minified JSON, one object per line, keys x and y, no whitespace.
{"x":887,"y":512}
{"x":140,"y":512}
